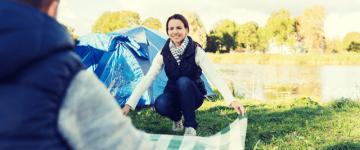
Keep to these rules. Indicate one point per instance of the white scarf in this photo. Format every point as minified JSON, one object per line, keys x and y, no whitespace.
{"x":178,"y":51}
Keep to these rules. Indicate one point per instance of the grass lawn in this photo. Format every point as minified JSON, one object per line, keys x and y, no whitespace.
{"x":296,"y":124}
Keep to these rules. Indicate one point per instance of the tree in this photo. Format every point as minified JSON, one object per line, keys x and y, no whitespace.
{"x":351,"y":42}
{"x":226,"y":31}
{"x":197,"y":29}
{"x":247,"y":36}
{"x":310,"y":28}
{"x":213,"y":43}
{"x":281,"y":27}
{"x":354,"y":47}
{"x":152,"y":23}
{"x":263,"y":42}
{"x":334,"y":46}
{"x":111,"y":21}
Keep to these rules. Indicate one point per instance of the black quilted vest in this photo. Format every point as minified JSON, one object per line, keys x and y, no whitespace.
{"x":187,"y":67}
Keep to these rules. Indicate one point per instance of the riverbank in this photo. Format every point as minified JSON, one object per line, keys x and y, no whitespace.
{"x":293,"y":59}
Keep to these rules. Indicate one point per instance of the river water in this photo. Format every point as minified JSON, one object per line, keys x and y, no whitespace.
{"x":264,"y":82}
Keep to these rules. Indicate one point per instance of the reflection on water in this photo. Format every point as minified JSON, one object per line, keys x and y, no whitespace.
{"x":290,"y":81}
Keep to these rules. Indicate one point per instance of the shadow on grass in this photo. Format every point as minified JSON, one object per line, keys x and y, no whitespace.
{"x":344,"y":146}
{"x":214,"y":119}
{"x":264,"y":123}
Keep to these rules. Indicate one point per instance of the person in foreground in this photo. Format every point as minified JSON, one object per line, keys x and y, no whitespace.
{"x":47,"y":99}
{"x":183,"y":61}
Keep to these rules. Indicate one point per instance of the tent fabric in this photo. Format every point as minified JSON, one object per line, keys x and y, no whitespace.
{"x":120,"y":59}
{"x":230,"y":138}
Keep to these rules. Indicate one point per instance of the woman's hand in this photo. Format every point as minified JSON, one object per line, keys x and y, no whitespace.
{"x":240,"y":109}
{"x":126,"y":109}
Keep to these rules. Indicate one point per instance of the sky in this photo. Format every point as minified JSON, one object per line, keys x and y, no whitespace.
{"x":341,"y":16}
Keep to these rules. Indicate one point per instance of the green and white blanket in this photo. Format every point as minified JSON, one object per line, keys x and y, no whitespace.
{"x":230,"y":138}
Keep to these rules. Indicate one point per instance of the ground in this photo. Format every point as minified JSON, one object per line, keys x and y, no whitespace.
{"x":296,"y":124}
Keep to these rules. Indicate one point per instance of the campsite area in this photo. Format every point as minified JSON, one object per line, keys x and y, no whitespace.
{"x":298,"y":109}
{"x":295,"y":68}
{"x":298,"y":124}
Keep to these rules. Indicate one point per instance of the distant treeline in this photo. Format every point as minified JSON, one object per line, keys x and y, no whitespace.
{"x":283,"y":33}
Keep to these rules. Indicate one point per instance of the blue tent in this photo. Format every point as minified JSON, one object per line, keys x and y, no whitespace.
{"x":120,"y":59}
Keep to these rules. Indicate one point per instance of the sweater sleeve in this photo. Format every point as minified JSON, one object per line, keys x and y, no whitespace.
{"x":209,"y":70}
{"x":90,"y":118}
{"x":145,"y":83}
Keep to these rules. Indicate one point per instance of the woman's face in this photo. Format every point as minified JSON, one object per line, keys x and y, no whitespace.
{"x":176,"y":31}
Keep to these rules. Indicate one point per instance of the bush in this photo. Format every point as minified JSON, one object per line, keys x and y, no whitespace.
{"x":304,"y":102}
{"x":344,"y":104}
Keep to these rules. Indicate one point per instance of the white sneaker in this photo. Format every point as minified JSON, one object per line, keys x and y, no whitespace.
{"x":178,"y":126}
{"x":190,"y":131}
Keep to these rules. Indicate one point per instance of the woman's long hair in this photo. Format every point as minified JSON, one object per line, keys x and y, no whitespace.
{"x":178,"y":17}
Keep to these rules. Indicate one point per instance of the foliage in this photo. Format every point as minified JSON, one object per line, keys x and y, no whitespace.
{"x":354,"y":46}
{"x":334,"y":46}
{"x":304,"y":33}
{"x":305,"y":102}
{"x":281,"y":27}
{"x":264,"y":37}
{"x":212,"y":43}
{"x":310,"y":26}
{"x":226,"y":31}
{"x":344,"y":104}
{"x":351,"y":42}
{"x":111,"y":21}
{"x":152,"y":23}
{"x":197,"y":29}
{"x":248,"y":36}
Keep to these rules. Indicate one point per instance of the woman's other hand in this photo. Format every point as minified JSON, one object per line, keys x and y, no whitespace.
{"x":240,"y":109}
{"x":126,"y":109}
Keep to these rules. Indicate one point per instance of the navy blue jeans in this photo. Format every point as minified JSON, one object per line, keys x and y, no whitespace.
{"x":184,"y":101}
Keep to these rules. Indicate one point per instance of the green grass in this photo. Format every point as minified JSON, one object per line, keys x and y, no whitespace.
{"x":298,"y":124}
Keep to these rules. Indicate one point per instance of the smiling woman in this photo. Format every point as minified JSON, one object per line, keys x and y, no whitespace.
{"x":177,"y":28}
{"x":183,"y":61}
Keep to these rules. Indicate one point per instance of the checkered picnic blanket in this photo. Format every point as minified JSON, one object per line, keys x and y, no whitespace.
{"x":230,"y":138}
